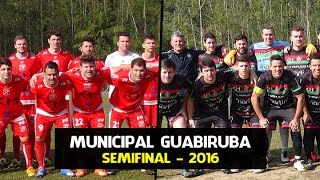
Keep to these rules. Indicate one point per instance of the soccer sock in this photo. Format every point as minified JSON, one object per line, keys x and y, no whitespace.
{"x":48,"y":143}
{"x":16,"y":147}
{"x":3,"y":141}
{"x":318,"y":141}
{"x":27,"y":152}
{"x":297,"y":142}
{"x":40,"y":152}
{"x":284,"y":135}
{"x":32,"y":138}
{"x":269,"y":139}
{"x":308,"y":142}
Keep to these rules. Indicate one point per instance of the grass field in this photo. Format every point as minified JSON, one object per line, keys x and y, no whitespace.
{"x":54,"y":174}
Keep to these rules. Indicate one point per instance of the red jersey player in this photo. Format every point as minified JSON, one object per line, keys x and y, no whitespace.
{"x":60,"y":56}
{"x":11,"y":109}
{"x":150,"y":101}
{"x":126,"y":99}
{"x":25,"y":64}
{"x":51,"y":109}
{"x":87,"y":100}
{"x":86,"y":47}
{"x":55,"y":53}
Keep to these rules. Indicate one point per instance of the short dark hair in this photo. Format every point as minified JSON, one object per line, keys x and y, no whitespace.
{"x":206,"y":62}
{"x":209,"y":35}
{"x":56,"y":33}
{"x":314,"y":57}
{"x":51,"y":65}
{"x":86,"y":58}
{"x":139,"y":62}
{"x":87,"y":39}
{"x":19,"y":37}
{"x":123,"y":34}
{"x":277,"y":57}
{"x":243,"y":58}
{"x":269,"y":27}
{"x":240,"y":37}
{"x":168,"y":63}
{"x":296,"y":28}
{"x":149,"y":36}
{"x":5,"y":61}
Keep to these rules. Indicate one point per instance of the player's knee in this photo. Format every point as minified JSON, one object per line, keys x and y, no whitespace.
{"x":180,"y":123}
{"x":24,"y":138}
{"x":40,"y":138}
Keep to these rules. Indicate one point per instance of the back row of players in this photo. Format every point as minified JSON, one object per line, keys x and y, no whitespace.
{"x":134,"y":96}
{"x":288,"y":86}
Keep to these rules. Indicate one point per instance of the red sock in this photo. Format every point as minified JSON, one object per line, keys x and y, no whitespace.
{"x":32,"y":140}
{"x":40,"y":152}
{"x":48,"y":143}
{"x":27,"y":152}
{"x":16,"y":147}
{"x":3,"y":141}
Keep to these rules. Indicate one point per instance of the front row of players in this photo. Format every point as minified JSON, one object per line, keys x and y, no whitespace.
{"x":285,"y":99}
{"x":86,"y":84}
{"x":178,"y":99}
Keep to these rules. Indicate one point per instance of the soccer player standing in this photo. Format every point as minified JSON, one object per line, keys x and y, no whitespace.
{"x":86,"y":47}
{"x":51,"y":109}
{"x":60,"y":56}
{"x":150,"y":101}
{"x":280,"y":86}
{"x":11,"y":109}
{"x":24,"y":64}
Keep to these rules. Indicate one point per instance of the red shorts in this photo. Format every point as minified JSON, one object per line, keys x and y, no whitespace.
{"x":150,"y":112}
{"x":95,"y":119}
{"x":136,"y":119}
{"x":44,"y":123}
{"x":19,"y":126}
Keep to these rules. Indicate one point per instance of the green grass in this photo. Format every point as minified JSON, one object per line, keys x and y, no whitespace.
{"x":54,"y":174}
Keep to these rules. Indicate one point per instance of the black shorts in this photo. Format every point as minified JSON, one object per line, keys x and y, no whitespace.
{"x":220,"y":120}
{"x":237,"y":121}
{"x":315,"y":123}
{"x":284,"y":116}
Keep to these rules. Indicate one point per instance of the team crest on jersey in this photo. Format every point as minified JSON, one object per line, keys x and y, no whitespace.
{"x":189,"y":55}
{"x":277,"y":90}
{"x":23,"y":128}
{"x":55,"y":60}
{"x":86,"y":86}
{"x":22,"y":67}
{"x":246,"y":89}
{"x":299,"y":58}
{"x":52,"y":96}
{"x":6,"y":91}
{"x":167,"y":94}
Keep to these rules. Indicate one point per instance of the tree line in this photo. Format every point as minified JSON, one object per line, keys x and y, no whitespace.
{"x":228,"y":18}
{"x":100,"y":19}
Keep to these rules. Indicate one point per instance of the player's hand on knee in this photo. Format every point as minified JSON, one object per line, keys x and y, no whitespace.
{"x":294,"y":125}
{"x":264,"y":123}
{"x":306,"y":117}
{"x":191,"y":123}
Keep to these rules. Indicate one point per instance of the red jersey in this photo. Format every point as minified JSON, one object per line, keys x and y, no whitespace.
{"x":52,"y":100}
{"x":10,"y":105}
{"x":87,"y":93}
{"x":128,"y":95}
{"x":25,"y":68}
{"x":151,"y":94}
{"x":75,"y":63}
{"x":62,"y":58}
